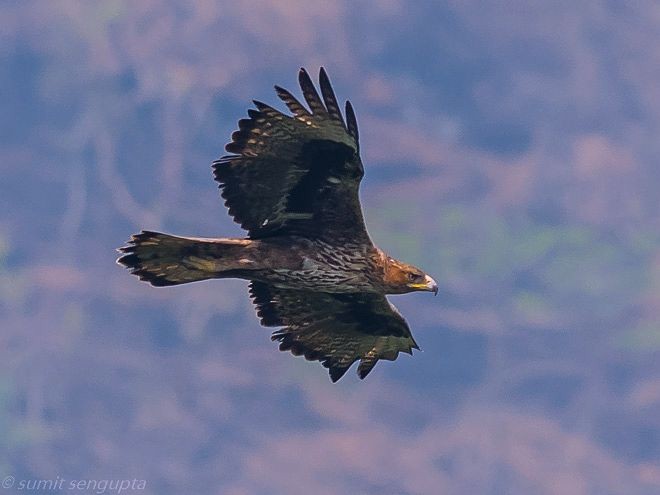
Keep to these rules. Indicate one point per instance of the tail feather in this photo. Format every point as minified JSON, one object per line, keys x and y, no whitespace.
{"x":164,"y":259}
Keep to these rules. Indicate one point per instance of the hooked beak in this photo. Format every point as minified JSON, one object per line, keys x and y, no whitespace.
{"x":428,"y":285}
{"x":431,"y":285}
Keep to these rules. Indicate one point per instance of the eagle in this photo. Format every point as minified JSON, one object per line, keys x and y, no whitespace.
{"x":292,"y":182}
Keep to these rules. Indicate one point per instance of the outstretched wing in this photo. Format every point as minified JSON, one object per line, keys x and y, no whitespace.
{"x":295,"y":174}
{"x":335,"y":329}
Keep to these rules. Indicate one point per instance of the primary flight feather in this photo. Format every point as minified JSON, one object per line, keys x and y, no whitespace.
{"x":292,"y":181}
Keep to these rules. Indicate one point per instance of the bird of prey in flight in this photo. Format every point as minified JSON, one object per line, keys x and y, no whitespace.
{"x":292,"y":181}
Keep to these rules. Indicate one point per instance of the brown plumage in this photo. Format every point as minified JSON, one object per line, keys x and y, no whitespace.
{"x":292,"y":182}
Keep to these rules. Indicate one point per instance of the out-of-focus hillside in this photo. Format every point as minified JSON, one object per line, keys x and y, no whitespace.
{"x":511,"y":151}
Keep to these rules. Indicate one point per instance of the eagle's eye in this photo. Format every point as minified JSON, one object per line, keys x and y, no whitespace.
{"x":414,"y":277}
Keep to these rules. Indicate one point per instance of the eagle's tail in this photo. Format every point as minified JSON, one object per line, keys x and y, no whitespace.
{"x":163,"y":259}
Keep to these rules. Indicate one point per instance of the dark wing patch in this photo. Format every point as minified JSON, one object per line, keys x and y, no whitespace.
{"x":335,"y":329}
{"x":326,"y":159}
{"x":295,"y":174}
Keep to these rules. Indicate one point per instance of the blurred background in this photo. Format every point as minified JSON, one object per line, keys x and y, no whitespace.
{"x":511,"y":151}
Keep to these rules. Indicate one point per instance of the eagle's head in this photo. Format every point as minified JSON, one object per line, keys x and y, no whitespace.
{"x":400,"y":277}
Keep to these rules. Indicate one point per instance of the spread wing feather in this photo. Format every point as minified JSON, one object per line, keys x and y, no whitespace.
{"x":295,"y":174}
{"x":352,"y":123}
{"x":329,"y":97}
{"x":294,"y":105}
{"x":335,"y":329}
{"x":311,"y":95}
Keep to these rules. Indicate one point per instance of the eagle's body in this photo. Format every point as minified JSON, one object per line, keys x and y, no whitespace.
{"x":292,"y":183}
{"x":316,"y":265}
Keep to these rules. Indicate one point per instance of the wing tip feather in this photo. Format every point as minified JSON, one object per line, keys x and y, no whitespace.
{"x":336,"y":372}
{"x":351,"y":122}
{"x":329,"y":98}
{"x":291,"y":102}
{"x":309,"y":92}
